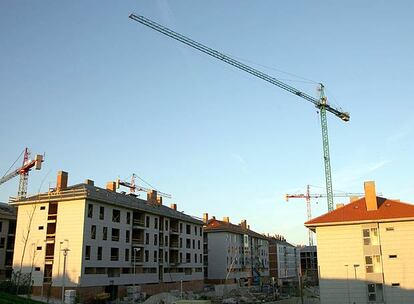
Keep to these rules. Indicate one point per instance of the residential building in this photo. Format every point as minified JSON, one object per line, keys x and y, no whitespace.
{"x":283,"y":261}
{"x":113,"y":240}
{"x":365,"y":251}
{"x":7,"y":231}
{"x":309,"y":265}
{"x":234,"y":253}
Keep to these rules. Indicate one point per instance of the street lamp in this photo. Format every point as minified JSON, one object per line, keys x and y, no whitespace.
{"x":65,"y":253}
{"x":347,"y":283}
{"x":355,"y":267}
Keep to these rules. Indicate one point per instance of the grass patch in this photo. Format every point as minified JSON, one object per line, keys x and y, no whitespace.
{"x":6,"y":298}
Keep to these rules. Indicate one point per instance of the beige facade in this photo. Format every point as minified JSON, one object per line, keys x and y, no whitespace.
{"x":113,"y":240}
{"x":365,"y":252}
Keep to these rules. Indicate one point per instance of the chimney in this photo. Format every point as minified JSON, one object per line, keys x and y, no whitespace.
{"x":226,"y":219}
{"x":111,"y":186}
{"x":205,"y":218}
{"x":152,"y":197}
{"x":159,"y":200}
{"x":353,"y":199}
{"x":89,"y":182}
{"x":62,"y":181}
{"x":213,"y":217}
{"x":243,"y":224}
{"x":173,"y":207}
{"x":370,"y":196}
{"x":339,"y":205}
{"x":248,"y":227}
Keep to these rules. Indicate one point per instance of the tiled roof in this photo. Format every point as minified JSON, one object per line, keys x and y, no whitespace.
{"x":357,"y":211}
{"x":214,"y":225}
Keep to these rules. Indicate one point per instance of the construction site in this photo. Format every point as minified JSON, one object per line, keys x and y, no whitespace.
{"x":167,"y":170}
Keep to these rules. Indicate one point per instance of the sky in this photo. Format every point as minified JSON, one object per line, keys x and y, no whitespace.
{"x":104,"y":97}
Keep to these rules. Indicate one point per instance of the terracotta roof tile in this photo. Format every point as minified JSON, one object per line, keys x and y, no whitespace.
{"x":357,"y":211}
{"x":214,"y":225}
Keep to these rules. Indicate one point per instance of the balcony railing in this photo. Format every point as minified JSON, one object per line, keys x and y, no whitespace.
{"x":138,"y":222}
{"x":138,"y":241}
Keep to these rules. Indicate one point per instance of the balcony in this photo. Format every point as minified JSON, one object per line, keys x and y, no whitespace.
{"x":174,"y":230}
{"x":174,"y":245}
{"x":138,"y":241}
{"x":138,"y":222}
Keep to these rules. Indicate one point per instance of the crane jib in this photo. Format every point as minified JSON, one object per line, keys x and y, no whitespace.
{"x":216,"y":54}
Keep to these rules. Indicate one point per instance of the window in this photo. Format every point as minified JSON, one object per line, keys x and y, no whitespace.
{"x":181,"y":257}
{"x":166,"y":241}
{"x":42,"y":207}
{"x":115,"y":234}
{"x":40,"y":227}
{"x":2,"y":242}
{"x":181,"y":227}
{"x":146,"y":255}
{"x":392,"y":256}
{"x":201,"y":257}
{"x":114,"y":254}
{"x":1,"y":226}
{"x":166,"y":257}
{"x":116,"y":215}
{"x":395,"y":284}
{"x":101,"y":213}
{"x":127,"y":236}
{"x":155,"y":256}
{"x":105,"y":233}
{"x":181,"y":243}
{"x":93,"y":232}
{"x":156,"y":223}
{"x":201,"y":231}
{"x":188,"y":229}
{"x":198,"y":244}
{"x":146,"y":238}
{"x":375,"y":293}
{"x":370,"y":236}
{"x":195,"y":230}
{"x":389,"y":229}
{"x":39,"y":248}
{"x":38,"y":269}
{"x":128,"y":218}
{"x":99,"y":254}
{"x":155,"y":239}
{"x":187,"y":243}
{"x":188,"y":257}
{"x":147,"y":221}
{"x":90,"y":210}
{"x":195,"y":258}
{"x":87,"y":252}
{"x":126,"y":254}
{"x":166,"y":225}
{"x":193,"y":244}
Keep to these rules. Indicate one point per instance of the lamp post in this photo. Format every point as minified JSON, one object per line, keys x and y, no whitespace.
{"x":65,"y":253}
{"x":355,"y":267}
{"x":347,"y":283}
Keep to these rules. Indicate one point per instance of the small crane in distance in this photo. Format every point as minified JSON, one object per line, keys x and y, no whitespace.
{"x":133,"y":187}
{"x":321,"y":103}
{"x":307,"y":196}
{"x":23,"y":171}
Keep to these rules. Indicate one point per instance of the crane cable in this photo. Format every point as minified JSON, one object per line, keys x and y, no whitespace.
{"x":8,"y":170}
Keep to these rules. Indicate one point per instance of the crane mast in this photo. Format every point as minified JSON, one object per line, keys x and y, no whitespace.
{"x":320,"y":103}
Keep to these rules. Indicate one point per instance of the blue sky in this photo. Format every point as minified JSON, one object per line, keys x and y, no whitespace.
{"x":104,"y":97}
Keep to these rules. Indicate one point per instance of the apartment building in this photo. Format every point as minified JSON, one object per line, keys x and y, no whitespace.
{"x":234,"y":253}
{"x":283,"y":261}
{"x":309,"y":265}
{"x":110,"y":239}
{"x":365,"y":251}
{"x":7,"y":231}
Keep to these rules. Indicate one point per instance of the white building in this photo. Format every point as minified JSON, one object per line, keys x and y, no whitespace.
{"x":234,"y":253}
{"x":114,"y":240}
{"x":365,"y":251}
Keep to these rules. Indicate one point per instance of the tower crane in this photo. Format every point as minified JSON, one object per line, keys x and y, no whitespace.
{"x":133,"y":187}
{"x":321,"y":103}
{"x":23,"y":171}
{"x":307,"y":196}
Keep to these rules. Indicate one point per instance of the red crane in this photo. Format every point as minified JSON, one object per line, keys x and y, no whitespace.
{"x":23,"y":171}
